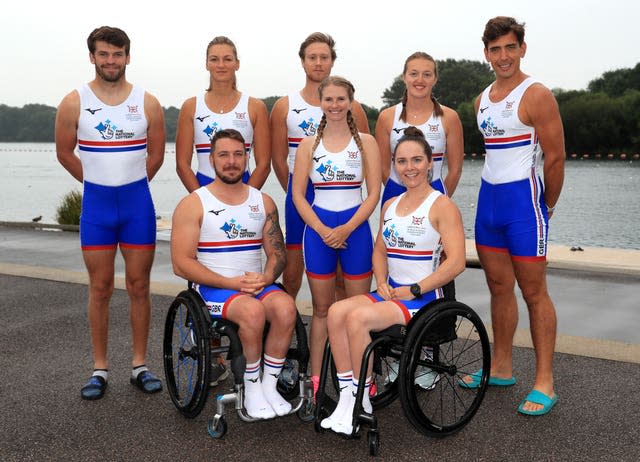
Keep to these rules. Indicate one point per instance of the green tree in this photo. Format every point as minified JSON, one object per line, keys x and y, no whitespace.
{"x":372,"y":116}
{"x":269,"y":101}
{"x":461,"y":80}
{"x":393,"y":94}
{"x":615,"y":83}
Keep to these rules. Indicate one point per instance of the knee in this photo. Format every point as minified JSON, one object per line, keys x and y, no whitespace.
{"x":138,"y":286}
{"x":533,"y":297}
{"x":355,"y":323}
{"x":285,"y":313}
{"x":252,"y":317}
{"x":101,"y":290}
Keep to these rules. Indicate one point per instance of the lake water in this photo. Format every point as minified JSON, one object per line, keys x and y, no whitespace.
{"x":599,"y":206}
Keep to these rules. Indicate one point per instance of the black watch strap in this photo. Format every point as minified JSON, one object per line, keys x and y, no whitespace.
{"x":415,"y":290}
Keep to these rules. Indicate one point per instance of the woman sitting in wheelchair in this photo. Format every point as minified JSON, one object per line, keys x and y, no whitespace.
{"x":415,"y":229}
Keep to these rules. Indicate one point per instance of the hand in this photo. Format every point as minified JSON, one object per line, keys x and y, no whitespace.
{"x":251,"y":283}
{"x":385,"y":291}
{"x":336,"y":237}
{"x":402,"y":293}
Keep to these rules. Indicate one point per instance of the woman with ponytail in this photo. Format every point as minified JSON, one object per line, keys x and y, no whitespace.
{"x":221,"y":106}
{"x":440,"y":124}
{"x":336,"y":161}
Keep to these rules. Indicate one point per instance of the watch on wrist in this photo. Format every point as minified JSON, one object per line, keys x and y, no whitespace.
{"x":415,"y":290}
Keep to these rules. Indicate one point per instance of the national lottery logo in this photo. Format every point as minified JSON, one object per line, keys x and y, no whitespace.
{"x":211,"y":130}
{"x":489,"y":128}
{"x":106,"y":129}
{"x":326,"y":171}
{"x":234,"y":230}
{"x":390,"y":236}
{"x":109,"y":131}
{"x":231,"y":228}
{"x":309,"y":126}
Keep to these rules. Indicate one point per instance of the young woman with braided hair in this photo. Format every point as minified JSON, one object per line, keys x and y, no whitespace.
{"x":440,"y":125}
{"x":337,"y":160}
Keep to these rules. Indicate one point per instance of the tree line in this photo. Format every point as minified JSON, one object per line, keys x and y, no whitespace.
{"x":604,"y":118}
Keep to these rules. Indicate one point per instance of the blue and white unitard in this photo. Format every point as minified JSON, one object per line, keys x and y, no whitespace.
{"x":435,"y":135}
{"x":112,"y":143}
{"x":511,"y":216}
{"x":206,"y":123}
{"x":413,"y":251}
{"x":230,"y":244}
{"x":337,"y":181}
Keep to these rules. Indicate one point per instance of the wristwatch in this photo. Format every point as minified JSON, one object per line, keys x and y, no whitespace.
{"x":415,"y":290}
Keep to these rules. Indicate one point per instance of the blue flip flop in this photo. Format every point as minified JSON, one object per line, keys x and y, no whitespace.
{"x":493,"y":381}
{"x":538,"y":397}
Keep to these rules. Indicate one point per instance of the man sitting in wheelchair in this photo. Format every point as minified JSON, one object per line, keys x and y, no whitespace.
{"x":414,"y":228}
{"x":218,"y":234}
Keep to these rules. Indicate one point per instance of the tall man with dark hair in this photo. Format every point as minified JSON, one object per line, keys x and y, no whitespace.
{"x":119,"y":131}
{"x":519,"y":119}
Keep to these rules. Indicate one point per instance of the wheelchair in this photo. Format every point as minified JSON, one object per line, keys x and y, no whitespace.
{"x":422,"y":363}
{"x":187,"y":353}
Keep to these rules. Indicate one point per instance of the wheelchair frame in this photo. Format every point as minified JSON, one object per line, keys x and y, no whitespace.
{"x":189,"y":317}
{"x":453,"y":347}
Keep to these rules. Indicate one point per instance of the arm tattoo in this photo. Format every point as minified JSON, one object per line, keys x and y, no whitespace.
{"x":276,"y":242}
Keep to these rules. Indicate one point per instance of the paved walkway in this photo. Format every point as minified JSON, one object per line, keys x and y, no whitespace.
{"x":45,"y":359}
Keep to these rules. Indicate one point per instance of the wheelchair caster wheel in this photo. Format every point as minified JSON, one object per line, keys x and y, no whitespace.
{"x":374,"y":442}
{"x":217,"y":431}
{"x":305,"y":413}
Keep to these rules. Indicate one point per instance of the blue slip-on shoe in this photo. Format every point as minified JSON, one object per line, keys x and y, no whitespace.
{"x":94,"y":388}
{"x":538,"y":397}
{"x":147,"y":382}
{"x":493,"y":381}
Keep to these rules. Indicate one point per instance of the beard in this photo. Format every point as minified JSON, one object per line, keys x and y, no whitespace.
{"x":227,"y":179}
{"x":110,"y":77}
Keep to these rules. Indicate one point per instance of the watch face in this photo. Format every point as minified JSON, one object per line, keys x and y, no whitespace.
{"x":415,"y":290}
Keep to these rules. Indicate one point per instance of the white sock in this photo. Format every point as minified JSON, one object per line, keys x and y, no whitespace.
{"x":254,"y":401}
{"x":345,"y":401}
{"x":345,"y":422}
{"x":272,"y":368}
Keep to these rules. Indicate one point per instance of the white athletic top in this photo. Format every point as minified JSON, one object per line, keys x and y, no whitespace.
{"x":302,"y":121}
{"x":206,"y":123}
{"x":413,"y":245}
{"x":230,"y":241}
{"x":434,"y":133}
{"x":112,"y":140}
{"x":337,"y":177}
{"x":513,"y":151}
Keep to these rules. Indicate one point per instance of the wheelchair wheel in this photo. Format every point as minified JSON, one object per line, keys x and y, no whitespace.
{"x":446,"y":343}
{"x":187,"y":354}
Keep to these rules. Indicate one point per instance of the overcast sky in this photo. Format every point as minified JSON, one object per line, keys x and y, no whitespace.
{"x":44,"y":56}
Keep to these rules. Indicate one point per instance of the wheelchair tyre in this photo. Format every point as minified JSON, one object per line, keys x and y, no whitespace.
{"x":187,"y":354}
{"x":456,"y":343}
{"x":219,"y":430}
